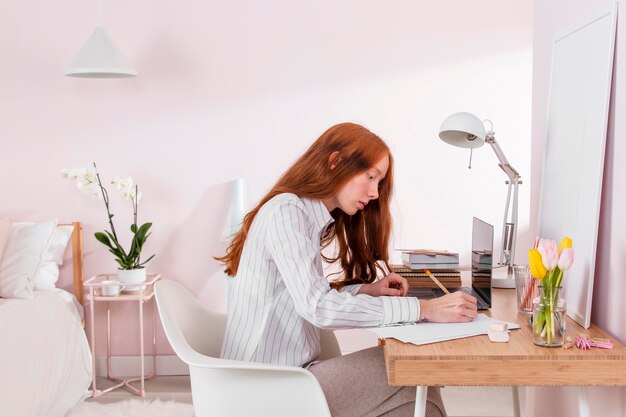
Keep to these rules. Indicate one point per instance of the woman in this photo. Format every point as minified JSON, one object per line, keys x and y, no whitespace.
{"x":338,"y":192}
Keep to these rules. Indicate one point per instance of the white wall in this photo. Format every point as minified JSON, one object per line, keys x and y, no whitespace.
{"x":240,"y":89}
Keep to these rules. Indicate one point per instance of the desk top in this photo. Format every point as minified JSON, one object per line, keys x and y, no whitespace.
{"x":477,"y":361}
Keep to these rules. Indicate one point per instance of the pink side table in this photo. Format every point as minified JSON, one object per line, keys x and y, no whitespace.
{"x":94,"y":287}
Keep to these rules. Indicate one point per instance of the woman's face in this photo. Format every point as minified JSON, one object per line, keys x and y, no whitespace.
{"x":360,"y":189}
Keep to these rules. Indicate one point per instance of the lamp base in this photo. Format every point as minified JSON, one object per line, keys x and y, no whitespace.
{"x":502,"y":278}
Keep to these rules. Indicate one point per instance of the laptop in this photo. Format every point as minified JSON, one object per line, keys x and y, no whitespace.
{"x":482,"y":268}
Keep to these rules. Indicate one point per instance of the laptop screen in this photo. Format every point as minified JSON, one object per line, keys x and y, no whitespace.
{"x":482,"y":258}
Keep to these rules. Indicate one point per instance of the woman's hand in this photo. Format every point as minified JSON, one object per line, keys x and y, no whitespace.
{"x":392,"y":284}
{"x":455,"y":307}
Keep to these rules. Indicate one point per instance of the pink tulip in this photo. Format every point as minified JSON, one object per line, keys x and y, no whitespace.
{"x":566,"y":259}
{"x":546,"y":243}
{"x":549,"y":253}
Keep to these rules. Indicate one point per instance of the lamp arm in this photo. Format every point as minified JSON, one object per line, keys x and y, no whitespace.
{"x":509,"y":226}
{"x":504,"y":163}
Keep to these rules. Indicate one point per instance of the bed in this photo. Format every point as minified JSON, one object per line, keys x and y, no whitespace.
{"x":45,"y":360}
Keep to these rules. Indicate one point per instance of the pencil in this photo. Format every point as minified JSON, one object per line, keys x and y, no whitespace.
{"x":436,"y":281}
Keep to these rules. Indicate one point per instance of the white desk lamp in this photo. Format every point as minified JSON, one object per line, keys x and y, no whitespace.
{"x":467,"y":131}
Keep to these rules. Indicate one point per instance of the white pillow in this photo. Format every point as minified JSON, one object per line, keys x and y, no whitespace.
{"x":22,"y":255}
{"x":5,"y":232}
{"x":47,"y":274}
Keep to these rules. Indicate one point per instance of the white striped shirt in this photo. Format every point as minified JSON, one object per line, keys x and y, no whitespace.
{"x":280,"y":296}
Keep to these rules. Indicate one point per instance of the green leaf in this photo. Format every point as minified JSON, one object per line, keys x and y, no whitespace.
{"x":147,"y":260}
{"x":102,"y":238}
{"x":123,"y":264}
{"x":117,"y":244}
{"x":133,"y":228}
{"x":142,"y":232}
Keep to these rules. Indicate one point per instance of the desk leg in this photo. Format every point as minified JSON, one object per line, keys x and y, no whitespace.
{"x":516,"y":407}
{"x":420,"y":401}
{"x":583,"y":402}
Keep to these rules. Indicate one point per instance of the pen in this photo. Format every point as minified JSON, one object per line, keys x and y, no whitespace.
{"x":436,"y":281}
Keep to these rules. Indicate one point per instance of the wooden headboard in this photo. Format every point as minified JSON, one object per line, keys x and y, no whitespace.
{"x":77,"y":259}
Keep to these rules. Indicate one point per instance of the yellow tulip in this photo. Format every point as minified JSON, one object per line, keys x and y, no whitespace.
{"x":565,"y":243}
{"x":535,"y":264}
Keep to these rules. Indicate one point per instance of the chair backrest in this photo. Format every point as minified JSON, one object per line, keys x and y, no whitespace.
{"x":187,"y":324}
{"x":227,"y":388}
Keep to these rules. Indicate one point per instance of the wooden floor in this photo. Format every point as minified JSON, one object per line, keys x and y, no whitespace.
{"x":459,"y":401}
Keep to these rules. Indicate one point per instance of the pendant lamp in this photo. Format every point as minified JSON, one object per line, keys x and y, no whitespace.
{"x":100,"y":57}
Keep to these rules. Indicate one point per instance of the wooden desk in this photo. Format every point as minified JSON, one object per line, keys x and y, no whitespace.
{"x":477,"y":361}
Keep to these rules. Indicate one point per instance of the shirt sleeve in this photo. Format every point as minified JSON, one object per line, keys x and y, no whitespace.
{"x":297,"y":258}
{"x":352,"y":288}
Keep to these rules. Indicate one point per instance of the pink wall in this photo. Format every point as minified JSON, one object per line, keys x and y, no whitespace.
{"x":550,"y":19}
{"x":239,"y":89}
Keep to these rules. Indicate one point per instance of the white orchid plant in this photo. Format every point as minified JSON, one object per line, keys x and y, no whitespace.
{"x":87,"y":179}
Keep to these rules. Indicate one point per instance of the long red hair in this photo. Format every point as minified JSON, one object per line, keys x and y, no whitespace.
{"x":363,"y":238}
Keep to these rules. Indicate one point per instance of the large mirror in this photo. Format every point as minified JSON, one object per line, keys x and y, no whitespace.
{"x":580,"y":89}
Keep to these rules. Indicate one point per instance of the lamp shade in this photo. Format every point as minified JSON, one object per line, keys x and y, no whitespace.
{"x":100,"y":58}
{"x":463,"y":130}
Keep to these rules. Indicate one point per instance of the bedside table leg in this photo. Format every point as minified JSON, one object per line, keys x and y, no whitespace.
{"x":94,"y":390}
{"x":109,"y":373}
{"x":142,"y":392}
{"x":154,"y":367}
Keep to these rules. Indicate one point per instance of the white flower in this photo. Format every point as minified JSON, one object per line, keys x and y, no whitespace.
{"x":69,"y":173}
{"x":92,"y":189}
{"x":95,"y":191}
{"x":133,"y":195}
{"x":89,"y":175}
{"x":123,"y":184}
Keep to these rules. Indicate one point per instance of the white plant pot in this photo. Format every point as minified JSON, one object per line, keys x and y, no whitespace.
{"x":126,"y":276}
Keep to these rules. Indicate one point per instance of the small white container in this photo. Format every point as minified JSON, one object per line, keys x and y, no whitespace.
{"x":111,"y":288}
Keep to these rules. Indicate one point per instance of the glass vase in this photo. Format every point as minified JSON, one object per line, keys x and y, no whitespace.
{"x":549,"y":310}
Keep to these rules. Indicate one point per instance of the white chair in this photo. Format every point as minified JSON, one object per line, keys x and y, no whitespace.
{"x":222,"y":387}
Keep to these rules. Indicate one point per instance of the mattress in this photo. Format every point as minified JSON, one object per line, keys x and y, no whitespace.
{"x":45,"y":361}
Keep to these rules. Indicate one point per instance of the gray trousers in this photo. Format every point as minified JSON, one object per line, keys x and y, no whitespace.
{"x":355,"y":385}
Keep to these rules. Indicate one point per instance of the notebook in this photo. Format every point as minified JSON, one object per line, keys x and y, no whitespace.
{"x":482,"y":268}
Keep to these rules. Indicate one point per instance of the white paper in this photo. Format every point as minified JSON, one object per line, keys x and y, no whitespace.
{"x":425,"y":333}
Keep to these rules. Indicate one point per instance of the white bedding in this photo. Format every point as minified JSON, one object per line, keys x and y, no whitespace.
{"x":45,"y":361}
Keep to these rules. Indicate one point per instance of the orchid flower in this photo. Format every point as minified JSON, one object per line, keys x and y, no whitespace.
{"x":123,"y":184}
{"x":88,"y":181}
{"x":69,"y":173}
{"x":85,"y":180}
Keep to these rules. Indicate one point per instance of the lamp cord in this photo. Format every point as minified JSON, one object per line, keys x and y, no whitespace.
{"x":470,"y":161}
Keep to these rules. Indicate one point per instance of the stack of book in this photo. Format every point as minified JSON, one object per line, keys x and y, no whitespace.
{"x":430,"y":259}
{"x":417,"y":278}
